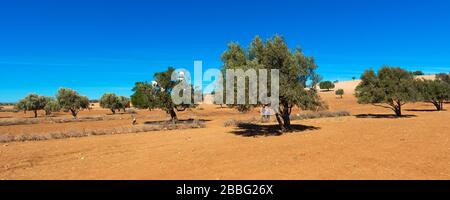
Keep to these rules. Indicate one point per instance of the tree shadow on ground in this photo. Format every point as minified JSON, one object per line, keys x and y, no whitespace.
{"x":180,"y":121}
{"x":383,"y":116}
{"x":254,"y":130}
{"x":422,"y":110}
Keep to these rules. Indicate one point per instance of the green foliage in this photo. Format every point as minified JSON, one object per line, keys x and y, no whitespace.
{"x":111,"y":101}
{"x":391,"y":85}
{"x":158,"y":95}
{"x":417,"y":73}
{"x":124,"y":103}
{"x":434,"y":91}
{"x":353,"y":78}
{"x":339,"y":92}
{"x":443,"y":77}
{"x":326,"y":85}
{"x":32,"y":102}
{"x":295,"y":70}
{"x":85,"y":103}
{"x":114,"y":102}
{"x":70,"y":100}
{"x":51,"y":106}
{"x":142,"y":97}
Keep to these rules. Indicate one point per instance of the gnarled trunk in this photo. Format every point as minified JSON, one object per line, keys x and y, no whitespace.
{"x":74,"y":113}
{"x":35,"y":114}
{"x":439,"y":105}
{"x":113,"y":111}
{"x":284,"y":118}
{"x":173,"y":115}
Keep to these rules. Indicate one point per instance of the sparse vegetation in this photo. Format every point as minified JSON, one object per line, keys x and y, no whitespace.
{"x":326,"y":85}
{"x":339,"y":92}
{"x":83,"y":133}
{"x":391,"y":85}
{"x":300,"y":116}
{"x":320,"y":114}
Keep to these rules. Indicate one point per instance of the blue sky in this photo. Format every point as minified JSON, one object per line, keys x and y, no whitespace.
{"x":107,"y":46}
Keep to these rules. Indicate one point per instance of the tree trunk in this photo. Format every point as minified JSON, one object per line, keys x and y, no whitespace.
{"x":398,"y":110}
{"x":438,"y":105}
{"x":173,"y":115}
{"x":396,"y":106}
{"x":280,"y":122}
{"x":113,"y":111}
{"x":74,"y":113}
{"x":35,"y":113}
{"x":284,"y":119}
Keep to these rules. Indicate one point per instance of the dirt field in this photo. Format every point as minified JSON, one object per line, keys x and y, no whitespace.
{"x":354,"y":147}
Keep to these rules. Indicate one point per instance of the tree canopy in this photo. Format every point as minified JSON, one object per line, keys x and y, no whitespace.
{"x":32,"y":102}
{"x":114,"y":102}
{"x":339,"y":92}
{"x":434,"y":91}
{"x":391,"y":85}
{"x":70,"y":100}
{"x":297,"y":76}
{"x":158,"y":94}
{"x":326,"y":85}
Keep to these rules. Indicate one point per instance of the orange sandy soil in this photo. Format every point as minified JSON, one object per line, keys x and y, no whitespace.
{"x":414,"y":147}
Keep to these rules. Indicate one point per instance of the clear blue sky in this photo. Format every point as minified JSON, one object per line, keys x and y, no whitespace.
{"x":106,"y":46}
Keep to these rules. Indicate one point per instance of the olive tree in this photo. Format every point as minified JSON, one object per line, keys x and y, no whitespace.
{"x":111,"y":101}
{"x":32,"y":102}
{"x":295,"y":71}
{"x":124,"y":103}
{"x":21,"y":105}
{"x":51,"y":106}
{"x":142,"y":97}
{"x":340,"y":92}
{"x":158,"y":94}
{"x":434,"y":91}
{"x":326,"y":85}
{"x":70,"y":100}
{"x":391,"y":85}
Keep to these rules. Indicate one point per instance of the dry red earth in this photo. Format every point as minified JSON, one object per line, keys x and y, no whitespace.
{"x":354,"y":147}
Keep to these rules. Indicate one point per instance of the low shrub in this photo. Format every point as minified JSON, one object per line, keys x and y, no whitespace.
{"x":321,"y":114}
{"x":112,"y":131}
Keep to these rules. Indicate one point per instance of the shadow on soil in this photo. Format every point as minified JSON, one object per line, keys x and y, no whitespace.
{"x":423,"y":110}
{"x":383,"y":116}
{"x":254,"y":130}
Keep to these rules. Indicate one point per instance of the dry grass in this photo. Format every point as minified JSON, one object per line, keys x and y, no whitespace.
{"x":25,"y":121}
{"x":111,"y":131}
{"x":320,"y":114}
{"x":309,"y":115}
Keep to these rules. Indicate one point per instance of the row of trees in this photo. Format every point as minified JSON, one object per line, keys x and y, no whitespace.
{"x":66,"y":99}
{"x":114,"y":102}
{"x":393,"y":87}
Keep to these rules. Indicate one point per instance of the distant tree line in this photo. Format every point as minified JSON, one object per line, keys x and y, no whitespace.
{"x":66,"y":99}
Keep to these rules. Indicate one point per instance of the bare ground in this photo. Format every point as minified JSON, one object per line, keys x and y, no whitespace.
{"x":370,"y":144}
